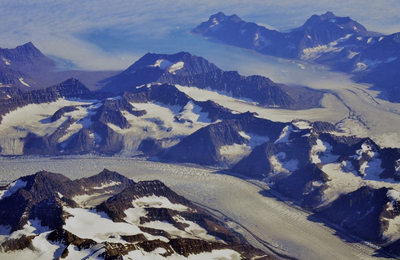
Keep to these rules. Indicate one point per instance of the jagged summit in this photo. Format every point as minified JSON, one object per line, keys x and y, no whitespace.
{"x":50,"y":216}
{"x":190,"y":70}
{"x":331,"y":23}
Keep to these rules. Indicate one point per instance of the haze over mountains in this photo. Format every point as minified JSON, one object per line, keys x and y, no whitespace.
{"x":339,"y":42}
{"x":171,"y":108}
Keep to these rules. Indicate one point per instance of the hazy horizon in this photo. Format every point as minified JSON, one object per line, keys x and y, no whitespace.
{"x":99,"y":35}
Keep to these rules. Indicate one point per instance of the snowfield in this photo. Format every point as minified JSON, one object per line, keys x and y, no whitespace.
{"x":261,"y":219}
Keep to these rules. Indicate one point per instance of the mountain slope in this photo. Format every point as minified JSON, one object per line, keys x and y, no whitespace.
{"x":189,"y":70}
{"x":143,"y":220}
{"x":339,"y":42}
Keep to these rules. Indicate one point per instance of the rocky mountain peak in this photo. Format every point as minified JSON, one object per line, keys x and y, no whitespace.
{"x":25,"y":56}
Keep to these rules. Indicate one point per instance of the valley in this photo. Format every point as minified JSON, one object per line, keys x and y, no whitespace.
{"x":250,"y":207}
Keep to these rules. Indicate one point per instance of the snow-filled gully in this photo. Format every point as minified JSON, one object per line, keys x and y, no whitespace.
{"x":265,"y":220}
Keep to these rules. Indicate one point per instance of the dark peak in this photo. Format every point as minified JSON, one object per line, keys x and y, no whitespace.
{"x":220,"y":16}
{"x":71,"y":82}
{"x":328,"y":15}
{"x":45,"y":175}
{"x":72,"y":85}
{"x":106,"y":176}
{"x":109,"y":174}
{"x":30,"y":49}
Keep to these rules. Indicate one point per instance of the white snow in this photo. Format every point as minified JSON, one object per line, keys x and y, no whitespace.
{"x":107,"y":184}
{"x":166,"y":64}
{"x":268,"y":218}
{"x":285,"y":134}
{"x":157,"y":202}
{"x":192,"y":112}
{"x":23,"y":82}
{"x":321,"y":153}
{"x":341,"y":181}
{"x":280,"y":165}
{"x":7,"y":62}
{"x":254,"y":139}
{"x":360,"y":67}
{"x":232,"y":154}
{"x":393,"y":196}
{"x":381,"y":38}
{"x":366,"y":64}
{"x":35,"y":118}
{"x":302,"y":125}
{"x":315,"y":52}
{"x":331,"y":111}
{"x":370,"y":41}
{"x":162,"y":64}
{"x":97,"y":226}
{"x":12,"y":188}
{"x":352,"y":54}
{"x":133,"y":215}
{"x":176,"y":66}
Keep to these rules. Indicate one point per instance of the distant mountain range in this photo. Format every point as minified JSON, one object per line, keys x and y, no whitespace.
{"x":339,"y":42}
{"x":108,"y":216}
{"x":189,"y":70}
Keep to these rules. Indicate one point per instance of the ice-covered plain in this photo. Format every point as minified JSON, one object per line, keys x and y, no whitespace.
{"x":252,"y":210}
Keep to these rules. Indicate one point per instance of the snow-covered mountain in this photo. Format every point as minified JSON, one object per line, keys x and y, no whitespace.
{"x":169,"y":108}
{"x":339,"y":42}
{"x":318,"y":30}
{"x":108,"y":216}
{"x":186,"y":69}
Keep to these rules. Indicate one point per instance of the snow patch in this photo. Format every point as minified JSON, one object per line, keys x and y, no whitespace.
{"x":352,"y":54}
{"x":107,"y":184}
{"x":232,"y":154}
{"x":97,"y":226}
{"x":280,"y":166}
{"x":23,"y":82}
{"x":166,"y":64}
{"x":133,"y":215}
{"x":302,"y":125}
{"x":176,"y":66}
{"x":284,"y":136}
{"x":12,"y":188}
{"x":157,"y":202}
{"x":321,"y":153}
{"x":315,"y":52}
{"x":7,"y":62}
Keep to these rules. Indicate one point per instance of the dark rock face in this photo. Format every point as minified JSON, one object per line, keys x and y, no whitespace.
{"x":256,"y":165}
{"x":16,"y":65}
{"x":359,"y":209}
{"x":40,"y":198}
{"x":43,"y":202}
{"x":306,"y":183}
{"x":202,"y":147}
{"x":198,"y":72}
